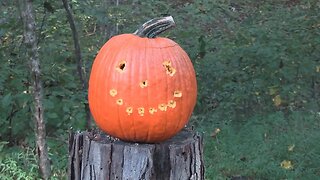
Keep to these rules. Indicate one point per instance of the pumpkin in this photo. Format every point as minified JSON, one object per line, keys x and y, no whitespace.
{"x":142,"y":88}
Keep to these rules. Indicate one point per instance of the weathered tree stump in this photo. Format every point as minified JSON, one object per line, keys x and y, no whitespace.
{"x":94,"y":155}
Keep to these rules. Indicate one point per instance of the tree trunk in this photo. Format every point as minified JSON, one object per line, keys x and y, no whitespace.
{"x":30,"y":39}
{"x":111,"y":26}
{"x":78,"y":56}
{"x":94,"y":155}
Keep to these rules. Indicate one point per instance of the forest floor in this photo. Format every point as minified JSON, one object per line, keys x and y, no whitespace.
{"x":272,"y":146}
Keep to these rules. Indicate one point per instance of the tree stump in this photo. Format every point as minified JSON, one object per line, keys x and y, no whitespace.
{"x":95,"y":155}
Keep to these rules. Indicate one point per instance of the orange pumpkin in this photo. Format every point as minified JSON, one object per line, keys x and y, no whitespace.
{"x":142,"y":88}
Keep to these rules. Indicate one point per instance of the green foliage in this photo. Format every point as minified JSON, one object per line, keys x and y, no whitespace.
{"x":257,"y":65}
{"x":18,"y":165}
{"x":270,"y":50}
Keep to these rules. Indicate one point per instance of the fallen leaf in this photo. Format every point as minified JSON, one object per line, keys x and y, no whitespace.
{"x":286,"y":164}
{"x":291,"y":147}
{"x":215,"y":132}
{"x":277,"y":100}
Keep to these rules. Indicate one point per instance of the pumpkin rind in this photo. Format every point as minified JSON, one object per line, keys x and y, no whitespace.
{"x":133,"y":97}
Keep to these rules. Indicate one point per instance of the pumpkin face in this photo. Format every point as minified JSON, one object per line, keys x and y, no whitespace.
{"x":142,"y":89}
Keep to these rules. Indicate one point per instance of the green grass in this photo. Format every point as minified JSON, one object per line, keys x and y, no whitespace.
{"x":253,"y":148}
{"x":256,"y":147}
{"x":18,"y":163}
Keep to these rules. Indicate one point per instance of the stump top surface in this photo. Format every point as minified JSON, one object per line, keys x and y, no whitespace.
{"x":183,"y":137}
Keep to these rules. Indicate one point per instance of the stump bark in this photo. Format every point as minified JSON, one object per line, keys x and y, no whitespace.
{"x":95,"y":156}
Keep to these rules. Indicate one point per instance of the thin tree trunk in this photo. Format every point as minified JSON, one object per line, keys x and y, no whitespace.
{"x":110,"y":28}
{"x":117,"y":24}
{"x":30,"y":38}
{"x":78,"y":56}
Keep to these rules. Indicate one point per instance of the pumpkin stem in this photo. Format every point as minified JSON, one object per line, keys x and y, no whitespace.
{"x":154,"y":27}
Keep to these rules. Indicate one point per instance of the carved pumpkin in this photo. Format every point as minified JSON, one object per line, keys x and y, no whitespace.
{"x":142,"y":88}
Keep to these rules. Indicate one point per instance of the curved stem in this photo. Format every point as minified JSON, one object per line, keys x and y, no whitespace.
{"x":154,"y":27}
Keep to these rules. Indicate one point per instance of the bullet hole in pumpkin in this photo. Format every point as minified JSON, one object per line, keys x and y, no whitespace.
{"x":121,"y":66}
{"x":169,"y":69}
{"x":141,"y":111}
{"x":143,"y":84}
{"x":152,"y":110}
{"x":119,"y":101}
{"x":129,"y":110}
{"x":172,"y":104}
{"x":113,"y":92}
{"x":177,"y":94}
{"x":162,"y":107}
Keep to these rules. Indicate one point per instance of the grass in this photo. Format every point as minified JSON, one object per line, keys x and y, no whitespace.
{"x":256,"y":147}
{"x":253,"y":148}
